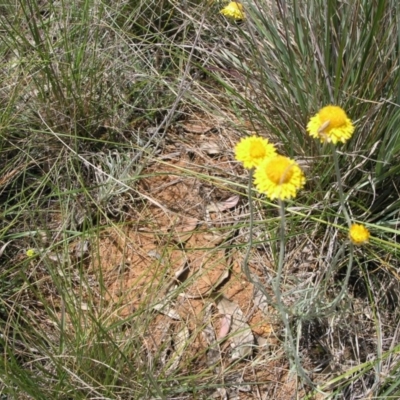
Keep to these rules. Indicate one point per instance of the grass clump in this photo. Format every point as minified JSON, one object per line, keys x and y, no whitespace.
{"x":307,"y":57}
{"x":118,"y":123}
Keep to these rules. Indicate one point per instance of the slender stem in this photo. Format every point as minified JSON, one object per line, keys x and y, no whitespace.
{"x":340,"y":187}
{"x":282,"y":242}
{"x":347,"y":216}
{"x":294,"y":357}
{"x":245,"y":266}
{"x":246,"y":269}
{"x":276,"y":284}
{"x":346,"y":279}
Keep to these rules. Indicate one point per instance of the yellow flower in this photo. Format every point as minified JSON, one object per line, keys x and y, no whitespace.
{"x":251,"y":151}
{"x":31,"y":253}
{"x":331,"y":124}
{"x":279,"y":178}
{"x":359,"y":234}
{"x":234,"y":9}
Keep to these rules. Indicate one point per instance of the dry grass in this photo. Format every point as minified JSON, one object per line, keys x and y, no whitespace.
{"x":118,"y":123}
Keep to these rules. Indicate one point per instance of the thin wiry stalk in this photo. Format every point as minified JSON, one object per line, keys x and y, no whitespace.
{"x":339,"y":183}
{"x":245,"y":265}
{"x":283,"y":311}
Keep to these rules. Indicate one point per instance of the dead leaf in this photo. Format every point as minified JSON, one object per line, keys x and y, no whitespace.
{"x":154,"y":254}
{"x":196,"y":128}
{"x":260,"y":300}
{"x":164,"y":308}
{"x":166,"y":341}
{"x":221,"y":280}
{"x":209,"y":337}
{"x":216,"y":237}
{"x":241,"y":338}
{"x":221,"y":394}
{"x":81,"y":249}
{"x":210,"y":148}
{"x":4,"y":247}
{"x":180,"y":343}
{"x":236,"y":384}
{"x":184,"y":228}
{"x":164,"y":305}
{"x":180,"y":274}
{"x":58,"y":258}
{"x":223,"y":205}
{"x":226,"y":321}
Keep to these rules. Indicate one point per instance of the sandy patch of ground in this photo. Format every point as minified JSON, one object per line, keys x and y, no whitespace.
{"x":176,"y":258}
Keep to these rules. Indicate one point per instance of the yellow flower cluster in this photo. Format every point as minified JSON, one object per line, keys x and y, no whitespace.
{"x":252,"y":150}
{"x":31,"y":253}
{"x":359,"y":234}
{"x":234,"y":10}
{"x":277,"y":176}
{"x":280,"y":177}
{"x":331,"y":124}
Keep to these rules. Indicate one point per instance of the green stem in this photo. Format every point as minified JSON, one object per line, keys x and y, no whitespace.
{"x":246,"y":269}
{"x":347,"y":216}
{"x":346,"y":279}
{"x":292,"y":348}
{"x":340,"y":187}
{"x":293,"y":354}
{"x":245,"y":266}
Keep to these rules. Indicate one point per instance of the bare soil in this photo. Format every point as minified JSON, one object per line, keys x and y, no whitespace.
{"x":176,"y":257}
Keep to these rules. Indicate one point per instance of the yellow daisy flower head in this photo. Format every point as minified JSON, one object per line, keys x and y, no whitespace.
{"x":359,"y":234}
{"x":331,"y":124}
{"x":251,"y":151}
{"x":31,"y":253}
{"x":234,"y":9}
{"x":279,"y":178}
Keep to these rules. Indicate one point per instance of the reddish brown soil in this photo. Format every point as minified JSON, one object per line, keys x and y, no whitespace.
{"x":179,"y":245}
